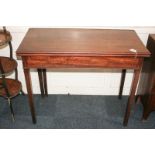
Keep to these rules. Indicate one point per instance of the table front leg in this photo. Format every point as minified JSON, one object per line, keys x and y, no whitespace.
{"x":131,"y":99}
{"x":30,"y":94}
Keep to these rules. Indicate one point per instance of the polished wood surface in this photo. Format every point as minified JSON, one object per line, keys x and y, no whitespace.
{"x":44,"y":48}
{"x":85,"y":42}
{"x":80,"y":62}
{"x":146,"y":90}
{"x":13,"y":86}
{"x":9,"y":65}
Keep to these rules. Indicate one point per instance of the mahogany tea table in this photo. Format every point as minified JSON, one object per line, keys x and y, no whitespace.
{"x":44,"y":48}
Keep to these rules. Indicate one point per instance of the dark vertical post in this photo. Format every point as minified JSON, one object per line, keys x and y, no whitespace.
{"x":122,"y":83}
{"x":45,"y":82}
{"x":11,"y":50}
{"x":41,"y":82}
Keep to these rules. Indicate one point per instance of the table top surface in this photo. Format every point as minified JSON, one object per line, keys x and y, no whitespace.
{"x":81,"y":42}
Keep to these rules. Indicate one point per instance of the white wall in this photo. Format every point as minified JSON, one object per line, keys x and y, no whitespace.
{"x":91,"y":82}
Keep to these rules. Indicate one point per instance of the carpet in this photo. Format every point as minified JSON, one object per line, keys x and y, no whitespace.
{"x":73,"y":112}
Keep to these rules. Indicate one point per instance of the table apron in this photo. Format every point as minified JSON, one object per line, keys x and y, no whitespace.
{"x":81,"y":62}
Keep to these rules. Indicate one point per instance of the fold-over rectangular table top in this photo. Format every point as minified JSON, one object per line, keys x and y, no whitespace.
{"x":81,"y":42}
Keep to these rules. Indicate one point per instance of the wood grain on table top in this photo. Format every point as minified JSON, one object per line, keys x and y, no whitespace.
{"x":81,"y":42}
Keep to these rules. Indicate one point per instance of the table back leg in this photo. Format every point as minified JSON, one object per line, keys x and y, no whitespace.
{"x":45,"y":82}
{"x":41,"y":82}
{"x":122,"y":83}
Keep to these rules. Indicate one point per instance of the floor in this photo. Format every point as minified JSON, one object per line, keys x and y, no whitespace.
{"x":73,"y":112}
